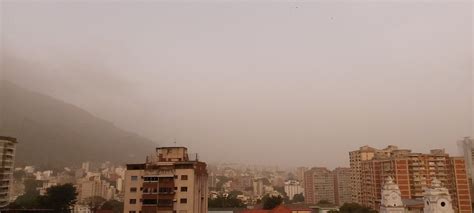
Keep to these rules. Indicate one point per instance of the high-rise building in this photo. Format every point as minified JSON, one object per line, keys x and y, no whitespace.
{"x":169,"y":181}
{"x":94,"y":186}
{"x":319,"y":185}
{"x":7,"y":149}
{"x":342,"y":185}
{"x":414,"y":172}
{"x":466,"y":146}
{"x":293,"y":187}
{"x":356,"y":158}
{"x":300,"y":173}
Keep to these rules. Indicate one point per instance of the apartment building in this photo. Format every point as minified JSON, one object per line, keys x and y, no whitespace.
{"x":413,"y":173}
{"x":342,"y":185}
{"x":292,"y":188}
{"x":7,"y":153}
{"x":319,"y":185}
{"x":466,"y":147}
{"x":356,"y":158}
{"x":94,"y":186}
{"x":169,"y":181}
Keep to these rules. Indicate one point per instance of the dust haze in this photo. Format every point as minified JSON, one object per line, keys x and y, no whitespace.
{"x":254,"y":82}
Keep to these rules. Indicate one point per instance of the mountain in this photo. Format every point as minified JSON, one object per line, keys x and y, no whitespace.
{"x":53,"y":133}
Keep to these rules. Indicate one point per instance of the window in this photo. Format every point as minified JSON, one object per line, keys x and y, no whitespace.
{"x":150,"y":202}
{"x":166,"y":190}
{"x":133,"y":201}
{"x":183,"y":200}
{"x":165,"y":202}
{"x":150,"y":179}
{"x":184,"y":177}
{"x":134,"y":178}
{"x":133,"y":189}
{"x":184,"y":189}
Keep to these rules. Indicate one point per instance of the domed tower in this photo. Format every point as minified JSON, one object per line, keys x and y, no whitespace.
{"x":391,"y":198}
{"x":437,"y":199}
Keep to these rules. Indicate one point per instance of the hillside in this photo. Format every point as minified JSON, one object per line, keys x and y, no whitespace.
{"x":53,"y":133}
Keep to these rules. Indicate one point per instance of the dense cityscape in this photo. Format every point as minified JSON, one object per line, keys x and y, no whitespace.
{"x":236,"y":106}
{"x":390,"y":179}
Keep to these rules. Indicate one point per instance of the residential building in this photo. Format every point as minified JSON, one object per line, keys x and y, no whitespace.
{"x":293,"y":187}
{"x":319,"y":185}
{"x":169,"y":181}
{"x":466,"y":147}
{"x":342,"y":185}
{"x":94,"y":186}
{"x":300,"y":174}
{"x":413,"y":173}
{"x":7,"y":153}
{"x":258,"y":187}
{"x":356,"y":158}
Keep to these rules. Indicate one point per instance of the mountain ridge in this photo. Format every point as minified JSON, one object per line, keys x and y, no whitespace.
{"x":52,"y":132}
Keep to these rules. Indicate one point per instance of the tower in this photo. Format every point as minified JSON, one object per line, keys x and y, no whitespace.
{"x":391,"y":198}
{"x":437,"y":199}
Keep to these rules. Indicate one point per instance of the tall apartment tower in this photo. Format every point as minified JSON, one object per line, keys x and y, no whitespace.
{"x":413,"y":173}
{"x":466,"y":147}
{"x":356,"y":158}
{"x":169,"y":181}
{"x":319,"y":185}
{"x":342,"y":185}
{"x":7,"y":153}
{"x":293,"y":187}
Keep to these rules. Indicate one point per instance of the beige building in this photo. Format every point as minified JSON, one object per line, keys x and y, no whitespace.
{"x":169,"y":181}
{"x":94,"y":187}
{"x":319,"y":185}
{"x":356,"y":158}
{"x":342,"y":185}
{"x":7,"y":153}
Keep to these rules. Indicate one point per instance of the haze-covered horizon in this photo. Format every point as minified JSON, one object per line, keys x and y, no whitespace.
{"x":273,"y":83}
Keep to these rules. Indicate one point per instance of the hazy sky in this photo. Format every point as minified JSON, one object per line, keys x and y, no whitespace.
{"x":288,"y":83}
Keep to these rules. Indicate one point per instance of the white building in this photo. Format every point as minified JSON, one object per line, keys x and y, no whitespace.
{"x":293,"y":187}
{"x":391,"y":198}
{"x":437,"y":199}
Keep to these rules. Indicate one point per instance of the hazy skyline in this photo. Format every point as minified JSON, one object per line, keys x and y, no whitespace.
{"x":289,"y":83}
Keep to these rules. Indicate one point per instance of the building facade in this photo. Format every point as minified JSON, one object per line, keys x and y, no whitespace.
{"x":356,"y":158}
{"x":319,"y":185}
{"x":169,"y":181}
{"x":413,"y":173}
{"x":342,"y":186}
{"x":7,"y":153}
{"x":293,"y":187}
{"x":466,"y":147}
{"x":93,"y":186}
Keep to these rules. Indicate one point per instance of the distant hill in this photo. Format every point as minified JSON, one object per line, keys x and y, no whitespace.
{"x":53,"y":133}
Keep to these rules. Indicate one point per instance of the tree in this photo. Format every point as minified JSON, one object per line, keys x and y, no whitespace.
{"x":298,"y":198}
{"x":270,"y":202}
{"x":114,"y":205}
{"x":94,"y":203}
{"x":230,"y":201}
{"x":355,"y":208}
{"x":30,"y":198}
{"x":60,"y":198}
